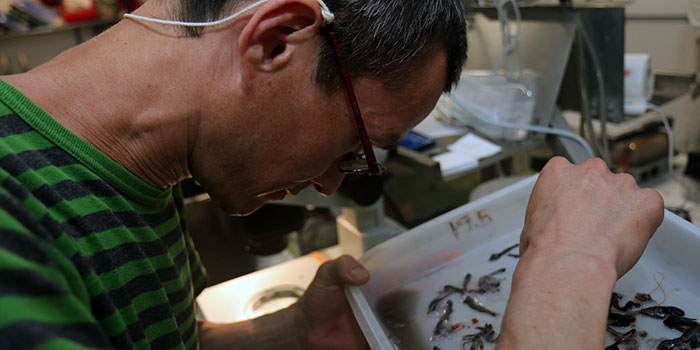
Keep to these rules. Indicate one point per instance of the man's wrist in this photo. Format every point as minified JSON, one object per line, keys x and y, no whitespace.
{"x":549,"y":251}
{"x":538,"y":258}
{"x":552,"y":288}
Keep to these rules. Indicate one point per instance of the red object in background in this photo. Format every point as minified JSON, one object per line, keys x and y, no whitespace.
{"x":79,"y":15}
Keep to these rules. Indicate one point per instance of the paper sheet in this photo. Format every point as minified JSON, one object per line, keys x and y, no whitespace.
{"x":464,"y":155}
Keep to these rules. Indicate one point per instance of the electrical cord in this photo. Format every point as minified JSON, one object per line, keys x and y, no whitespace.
{"x":603,"y":110}
{"x":586,"y":118}
{"x":675,"y":176}
{"x":511,"y":41}
{"x":328,"y":16}
{"x":694,"y":12}
{"x":539,"y":129}
{"x":667,"y":126}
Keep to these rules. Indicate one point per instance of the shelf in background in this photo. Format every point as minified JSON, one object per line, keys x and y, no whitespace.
{"x":44,"y":30}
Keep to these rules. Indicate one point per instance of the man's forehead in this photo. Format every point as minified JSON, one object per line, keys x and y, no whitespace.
{"x":393,"y":112}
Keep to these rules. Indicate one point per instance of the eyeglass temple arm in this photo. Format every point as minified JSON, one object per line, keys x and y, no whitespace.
{"x":362,"y":131}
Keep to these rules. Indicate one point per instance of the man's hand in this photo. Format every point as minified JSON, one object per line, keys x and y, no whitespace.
{"x":584,"y":228}
{"x":587,"y":210}
{"x":321,"y":319}
{"x":324,"y":312}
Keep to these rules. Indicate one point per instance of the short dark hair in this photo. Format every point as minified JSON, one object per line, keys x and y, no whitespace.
{"x":385,"y":39}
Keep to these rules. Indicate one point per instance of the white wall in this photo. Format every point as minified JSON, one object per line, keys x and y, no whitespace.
{"x":661,"y":28}
{"x":658,"y":7}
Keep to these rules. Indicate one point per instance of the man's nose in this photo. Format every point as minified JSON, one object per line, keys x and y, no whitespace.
{"x":329,"y":181}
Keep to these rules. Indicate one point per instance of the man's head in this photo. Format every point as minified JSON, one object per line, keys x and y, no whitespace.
{"x":290,"y":121}
{"x":384,"y":39}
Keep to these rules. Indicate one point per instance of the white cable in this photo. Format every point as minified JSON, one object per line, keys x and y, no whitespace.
{"x":694,"y":13}
{"x":328,"y":16}
{"x":510,"y":41}
{"x":678,"y":178}
{"x":603,"y":110}
{"x":553,"y":131}
{"x":667,"y":125}
{"x":198,"y":24}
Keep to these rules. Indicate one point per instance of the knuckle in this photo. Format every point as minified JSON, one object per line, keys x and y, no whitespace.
{"x":325,"y":267}
{"x":653,"y":203}
{"x":625,"y":179}
{"x":559,"y":161}
{"x":555,"y":165}
{"x":652,"y":197}
{"x":345,"y":262}
{"x":346,"y":259}
{"x":596,"y":164}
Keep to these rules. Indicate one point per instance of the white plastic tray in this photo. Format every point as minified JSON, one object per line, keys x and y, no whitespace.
{"x":409,"y":270}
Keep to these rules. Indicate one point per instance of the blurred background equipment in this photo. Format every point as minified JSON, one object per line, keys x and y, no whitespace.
{"x":694,"y":13}
{"x":25,"y":16}
{"x":639,"y":83}
{"x":32,"y":31}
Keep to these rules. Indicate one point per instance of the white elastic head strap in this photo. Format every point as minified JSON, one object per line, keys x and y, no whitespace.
{"x":328,"y":16}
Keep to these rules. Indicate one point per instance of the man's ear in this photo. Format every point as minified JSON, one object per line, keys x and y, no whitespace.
{"x":276,"y":31}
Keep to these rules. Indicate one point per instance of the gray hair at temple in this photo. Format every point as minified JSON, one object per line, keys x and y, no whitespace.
{"x":384,"y":39}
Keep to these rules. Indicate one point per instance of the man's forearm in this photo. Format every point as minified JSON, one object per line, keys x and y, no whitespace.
{"x":558,"y":303}
{"x":280,"y":330}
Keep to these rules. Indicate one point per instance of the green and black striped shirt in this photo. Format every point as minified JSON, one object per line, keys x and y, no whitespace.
{"x":91,"y":257}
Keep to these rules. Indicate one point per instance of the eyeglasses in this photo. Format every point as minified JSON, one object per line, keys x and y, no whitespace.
{"x":354,"y":164}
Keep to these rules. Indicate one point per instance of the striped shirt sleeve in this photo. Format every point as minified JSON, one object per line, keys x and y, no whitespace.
{"x":39,"y":307}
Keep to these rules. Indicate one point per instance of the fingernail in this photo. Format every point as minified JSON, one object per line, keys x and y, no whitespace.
{"x":359,"y":273}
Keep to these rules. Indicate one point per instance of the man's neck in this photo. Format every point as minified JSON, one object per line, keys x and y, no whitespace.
{"x":123,"y":98}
